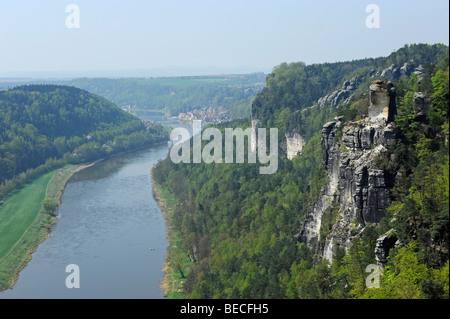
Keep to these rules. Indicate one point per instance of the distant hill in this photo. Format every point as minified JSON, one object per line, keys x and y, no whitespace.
{"x":43,"y":122}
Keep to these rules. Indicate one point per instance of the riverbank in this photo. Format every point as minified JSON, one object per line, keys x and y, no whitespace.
{"x":176,"y":264}
{"x":26,"y":223}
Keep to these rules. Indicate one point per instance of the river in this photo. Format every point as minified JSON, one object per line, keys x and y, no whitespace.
{"x":111,"y":227}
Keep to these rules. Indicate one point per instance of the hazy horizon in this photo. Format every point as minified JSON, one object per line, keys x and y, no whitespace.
{"x":199,"y":37}
{"x":165,"y":71}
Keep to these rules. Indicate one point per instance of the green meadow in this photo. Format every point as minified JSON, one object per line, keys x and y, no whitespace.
{"x":25,"y":220}
{"x":18,"y":212}
{"x":21,"y":227}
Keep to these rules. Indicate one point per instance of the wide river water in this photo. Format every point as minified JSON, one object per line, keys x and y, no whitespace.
{"x":111,"y":227}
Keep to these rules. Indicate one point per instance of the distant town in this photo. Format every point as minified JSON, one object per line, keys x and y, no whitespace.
{"x":217,"y":115}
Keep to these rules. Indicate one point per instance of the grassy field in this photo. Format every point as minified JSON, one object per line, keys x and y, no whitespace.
{"x":19,"y":211}
{"x":20,"y":227}
{"x":172,"y":283}
{"x":24,"y":224}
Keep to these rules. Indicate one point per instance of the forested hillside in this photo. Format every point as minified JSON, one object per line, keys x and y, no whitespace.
{"x":45,"y":126}
{"x":241,"y":230}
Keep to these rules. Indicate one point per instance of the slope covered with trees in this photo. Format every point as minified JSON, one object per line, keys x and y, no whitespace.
{"x":240,"y":229}
{"x":45,"y":126}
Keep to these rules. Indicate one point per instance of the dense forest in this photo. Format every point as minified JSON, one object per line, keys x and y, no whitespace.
{"x":45,"y":126}
{"x":239,"y":229}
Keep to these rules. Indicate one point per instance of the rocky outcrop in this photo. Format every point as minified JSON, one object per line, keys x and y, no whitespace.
{"x":419,"y":71}
{"x":422,"y":106}
{"x":255,"y":124}
{"x":381,"y":96}
{"x":341,"y":95}
{"x":310,"y":231}
{"x":294,"y":144}
{"x":393,"y":72}
{"x":357,"y":190}
{"x":383,"y":245}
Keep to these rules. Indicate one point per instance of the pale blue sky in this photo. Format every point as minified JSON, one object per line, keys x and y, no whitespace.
{"x":228,"y":34}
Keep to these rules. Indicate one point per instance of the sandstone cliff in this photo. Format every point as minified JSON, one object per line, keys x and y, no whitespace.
{"x":357,"y":192}
{"x":294,"y":144}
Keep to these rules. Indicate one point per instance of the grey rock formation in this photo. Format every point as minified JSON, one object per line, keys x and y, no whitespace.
{"x":382,"y":97}
{"x":294,"y":144}
{"x":330,"y":159}
{"x":407,"y":68}
{"x":255,"y":124}
{"x":341,"y":95}
{"x":384,"y":244}
{"x":393,"y":72}
{"x":422,"y":106}
{"x":419,"y":71}
{"x":356,"y":188}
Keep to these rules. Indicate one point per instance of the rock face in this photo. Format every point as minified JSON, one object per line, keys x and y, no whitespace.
{"x":385,"y":243}
{"x":294,"y":144}
{"x":382,"y":99}
{"x":341,"y":95}
{"x":255,"y":124}
{"x":422,"y":106}
{"x":356,"y":190}
{"x":393,"y":72}
{"x":294,"y":141}
{"x":310,"y":232}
